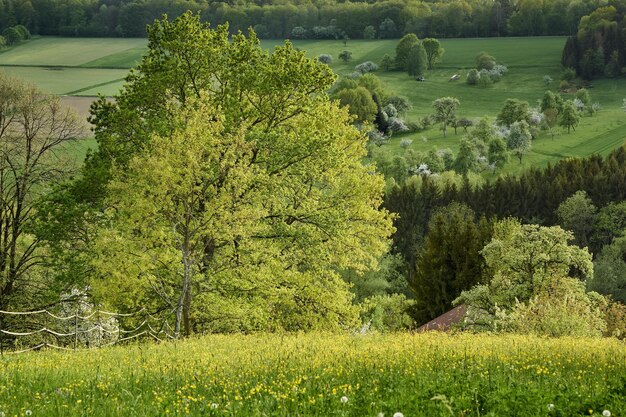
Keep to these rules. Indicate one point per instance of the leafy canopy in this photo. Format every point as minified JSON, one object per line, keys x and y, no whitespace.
{"x":245,"y":150}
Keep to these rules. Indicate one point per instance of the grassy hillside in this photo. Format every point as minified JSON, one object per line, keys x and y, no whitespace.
{"x":87,"y":67}
{"x":307,"y":375}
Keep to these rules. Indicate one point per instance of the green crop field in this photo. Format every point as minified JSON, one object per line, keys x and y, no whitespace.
{"x":88,"y":67}
{"x":433,"y":375}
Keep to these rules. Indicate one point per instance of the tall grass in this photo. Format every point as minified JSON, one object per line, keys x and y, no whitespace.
{"x":307,"y":375}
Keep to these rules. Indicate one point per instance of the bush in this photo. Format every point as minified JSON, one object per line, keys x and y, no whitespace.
{"x":485,"y":79}
{"x":485,"y":61}
{"x":547,"y":80}
{"x":23,"y":31}
{"x":402,"y":104}
{"x":414,"y":127}
{"x":365,"y":67}
{"x":325,"y":59}
{"x":566,"y":310}
{"x":568,"y":74}
{"x":298,"y":32}
{"x":387,"y":312}
{"x":564,"y":85}
{"x":405,"y":143}
{"x":345,"y":56}
{"x":390,"y":110}
{"x":473,"y":76}
{"x":397,"y":125}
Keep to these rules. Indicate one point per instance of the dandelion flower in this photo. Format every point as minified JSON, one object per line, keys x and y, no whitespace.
{"x":344,"y":399}
{"x":214,"y":406}
{"x":550,"y":407}
{"x":606,"y":413}
{"x":398,"y":414}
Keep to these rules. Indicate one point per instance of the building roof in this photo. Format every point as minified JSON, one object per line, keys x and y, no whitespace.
{"x":446,"y":320}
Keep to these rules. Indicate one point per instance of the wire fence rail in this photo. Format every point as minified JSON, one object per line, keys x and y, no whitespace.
{"x":78,"y":332}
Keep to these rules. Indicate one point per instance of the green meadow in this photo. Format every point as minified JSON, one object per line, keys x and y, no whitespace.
{"x":92,"y":66}
{"x":323,"y":375}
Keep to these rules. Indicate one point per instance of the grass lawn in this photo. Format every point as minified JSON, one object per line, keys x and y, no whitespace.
{"x":97,"y":66}
{"x":65,"y":81}
{"x":432,"y":374}
{"x":72,"y":52}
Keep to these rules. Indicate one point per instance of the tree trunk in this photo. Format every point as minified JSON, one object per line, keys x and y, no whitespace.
{"x":184,"y":299}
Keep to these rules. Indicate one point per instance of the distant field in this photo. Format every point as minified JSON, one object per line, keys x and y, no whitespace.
{"x":323,"y":375}
{"x":88,"y":67}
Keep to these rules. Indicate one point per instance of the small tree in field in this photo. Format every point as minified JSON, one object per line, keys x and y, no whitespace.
{"x":345,"y":56}
{"x":445,"y":109}
{"x":519,"y":139}
{"x":569,"y":116}
{"x":386,"y":62}
{"x":434,"y":51}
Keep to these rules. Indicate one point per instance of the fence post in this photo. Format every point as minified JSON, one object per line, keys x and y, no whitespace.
{"x":1,"y":336}
{"x":76,"y":328}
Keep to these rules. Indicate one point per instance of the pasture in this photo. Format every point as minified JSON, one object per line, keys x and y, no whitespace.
{"x":430,"y":374}
{"x":88,"y":67}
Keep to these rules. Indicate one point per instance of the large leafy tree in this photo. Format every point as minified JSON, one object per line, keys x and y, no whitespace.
{"x":533,"y":284}
{"x":434,"y":51}
{"x":403,"y":50}
{"x":276,"y":203}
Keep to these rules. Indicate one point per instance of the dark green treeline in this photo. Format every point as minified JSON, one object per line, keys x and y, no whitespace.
{"x":317,"y":19}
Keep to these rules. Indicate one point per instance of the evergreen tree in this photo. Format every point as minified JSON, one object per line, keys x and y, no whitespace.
{"x":449,"y":261}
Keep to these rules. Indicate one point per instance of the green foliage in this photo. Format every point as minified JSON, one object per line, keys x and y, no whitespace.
{"x":498,"y":154}
{"x":569,"y":116}
{"x":473,"y":76}
{"x":389,"y":278}
{"x":527,"y":265}
{"x":578,"y":215}
{"x":449,"y":261}
{"x":485,"y":61}
{"x":387,"y":313}
{"x":434,"y":51}
{"x":610,"y":224}
{"x":519,"y":140}
{"x":445,"y":109}
{"x":386,"y":62}
{"x":345,"y":56}
{"x":467,"y":157}
{"x":272,"y":185}
{"x":609,"y":276}
{"x":416,"y":61}
{"x":613,"y":68}
{"x":584,"y":96}
{"x":568,"y":74}
{"x":403,"y":50}
{"x":551,"y":101}
{"x":513,"y":111}
{"x":359,"y":102}
{"x":561,"y":309}
{"x":369,"y":32}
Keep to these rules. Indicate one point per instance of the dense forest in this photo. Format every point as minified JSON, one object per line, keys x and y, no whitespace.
{"x":308,"y":19}
{"x":599,"y":46}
